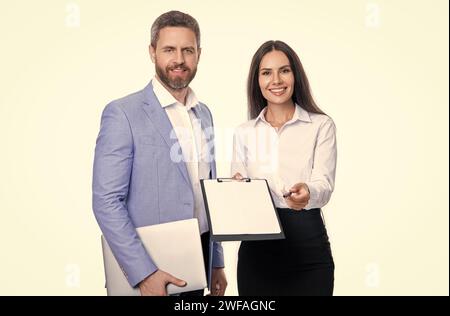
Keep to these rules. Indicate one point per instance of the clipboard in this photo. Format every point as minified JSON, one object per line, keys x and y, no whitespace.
{"x":239,"y":210}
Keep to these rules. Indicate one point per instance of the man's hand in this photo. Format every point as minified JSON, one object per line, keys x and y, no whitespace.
{"x":218,"y":282}
{"x":299,"y":197}
{"x":156,"y":283}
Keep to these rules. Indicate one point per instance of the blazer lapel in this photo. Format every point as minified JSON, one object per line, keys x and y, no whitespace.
{"x":207,"y":127}
{"x":160,"y":120}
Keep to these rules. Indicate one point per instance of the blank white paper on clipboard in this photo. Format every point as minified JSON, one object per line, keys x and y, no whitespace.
{"x":240,"y":210}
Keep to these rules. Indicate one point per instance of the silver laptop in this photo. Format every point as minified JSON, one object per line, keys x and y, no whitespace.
{"x":175,"y":248}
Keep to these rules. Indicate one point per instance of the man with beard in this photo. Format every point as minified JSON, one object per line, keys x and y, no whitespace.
{"x":152,"y":149}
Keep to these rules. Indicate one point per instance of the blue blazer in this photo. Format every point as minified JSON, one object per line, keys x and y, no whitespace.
{"x":135,"y":183}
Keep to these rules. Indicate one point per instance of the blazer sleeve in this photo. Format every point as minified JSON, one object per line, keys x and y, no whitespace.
{"x":111,"y":176}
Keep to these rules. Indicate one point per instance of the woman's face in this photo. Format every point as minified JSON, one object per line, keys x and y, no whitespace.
{"x":276,"y":79}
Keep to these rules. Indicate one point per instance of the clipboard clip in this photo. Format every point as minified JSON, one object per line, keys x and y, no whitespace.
{"x":220,"y":180}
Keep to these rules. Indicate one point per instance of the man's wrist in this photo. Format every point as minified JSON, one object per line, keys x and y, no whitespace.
{"x":146,"y":278}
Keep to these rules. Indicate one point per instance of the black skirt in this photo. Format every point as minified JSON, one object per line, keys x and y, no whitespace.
{"x":301,"y":264}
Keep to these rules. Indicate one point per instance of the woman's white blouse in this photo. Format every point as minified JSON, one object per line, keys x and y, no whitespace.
{"x":302,"y":150}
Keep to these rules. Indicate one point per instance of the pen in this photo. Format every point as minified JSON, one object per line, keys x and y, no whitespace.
{"x":288,"y":194}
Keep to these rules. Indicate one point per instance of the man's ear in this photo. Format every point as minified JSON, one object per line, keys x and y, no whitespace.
{"x":199,"y":52}
{"x":152,"y":53}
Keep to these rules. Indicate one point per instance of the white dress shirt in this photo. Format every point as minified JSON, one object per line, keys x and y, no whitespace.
{"x":187,"y":129}
{"x":302,"y":150}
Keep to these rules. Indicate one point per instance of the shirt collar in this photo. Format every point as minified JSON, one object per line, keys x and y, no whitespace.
{"x":166,"y":99}
{"x":299,"y":115}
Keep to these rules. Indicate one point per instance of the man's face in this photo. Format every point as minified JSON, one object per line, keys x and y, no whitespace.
{"x":176,"y":56}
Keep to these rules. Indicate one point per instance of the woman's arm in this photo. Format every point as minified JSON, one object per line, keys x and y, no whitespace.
{"x":321,"y":183}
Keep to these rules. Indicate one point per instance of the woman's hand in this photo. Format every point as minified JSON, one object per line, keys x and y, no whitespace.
{"x":299,"y":196}
{"x":237,"y":176}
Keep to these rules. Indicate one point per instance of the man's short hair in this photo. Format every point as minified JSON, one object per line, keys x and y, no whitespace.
{"x":177,"y":19}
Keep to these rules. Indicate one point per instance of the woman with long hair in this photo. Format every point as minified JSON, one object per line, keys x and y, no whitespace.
{"x":290,"y":142}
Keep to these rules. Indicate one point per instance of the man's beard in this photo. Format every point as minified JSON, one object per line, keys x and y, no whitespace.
{"x":177,"y":83}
